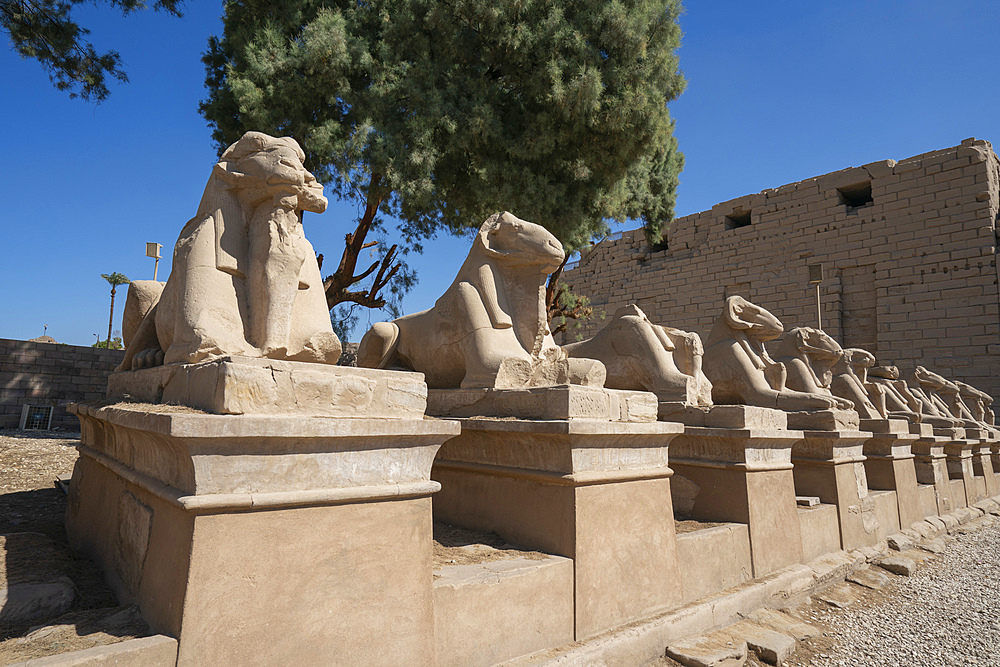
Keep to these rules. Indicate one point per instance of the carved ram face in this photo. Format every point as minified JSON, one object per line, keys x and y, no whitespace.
{"x":757,"y":322}
{"x":517,"y":242}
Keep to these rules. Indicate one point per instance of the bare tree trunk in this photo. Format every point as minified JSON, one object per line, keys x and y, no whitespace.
{"x":337,"y":285}
{"x":111,"y":318}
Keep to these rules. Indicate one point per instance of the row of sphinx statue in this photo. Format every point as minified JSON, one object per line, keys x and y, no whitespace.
{"x":244,"y":282}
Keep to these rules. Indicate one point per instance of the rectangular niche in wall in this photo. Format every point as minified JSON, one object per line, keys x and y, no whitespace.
{"x":738,"y":218}
{"x":36,"y":418}
{"x":856,"y":196}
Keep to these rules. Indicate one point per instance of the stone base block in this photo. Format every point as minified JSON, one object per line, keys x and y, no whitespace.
{"x":714,"y":559}
{"x":742,"y":475}
{"x":264,"y":540}
{"x":596,"y":492}
{"x":830,"y":465}
{"x":725,"y":416}
{"x":887,"y":512}
{"x":241,"y":385}
{"x":560,"y":402}
{"x":820,"y":531}
{"x":824,"y":420}
{"x":487,"y":613}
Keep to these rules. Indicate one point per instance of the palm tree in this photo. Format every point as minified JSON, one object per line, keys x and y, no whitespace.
{"x":114,"y":279}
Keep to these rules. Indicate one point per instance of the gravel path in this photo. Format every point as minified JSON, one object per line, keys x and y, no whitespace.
{"x":948,"y":613}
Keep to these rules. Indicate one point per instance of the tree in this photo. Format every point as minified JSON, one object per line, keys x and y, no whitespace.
{"x":114,"y":279}
{"x":441,"y":112}
{"x":45,"y":30}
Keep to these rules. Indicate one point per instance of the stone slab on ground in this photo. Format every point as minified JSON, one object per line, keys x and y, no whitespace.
{"x":155,"y":651}
{"x":708,"y":651}
{"x":33,"y":581}
{"x":899,"y":542}
{"x":933,"y":546}
{"x":868,"y":578}
{"x":898,"y":565}
{"x":839,"y":595}
{"x":770,"y":646}
{"x":784,"y":623}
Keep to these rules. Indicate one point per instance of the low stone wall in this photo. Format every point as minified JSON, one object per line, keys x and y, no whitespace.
{"x":51,"y":374}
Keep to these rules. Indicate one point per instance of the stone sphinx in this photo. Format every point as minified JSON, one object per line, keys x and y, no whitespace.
{"x":900,"y":402}
{"x":742,"y":372}
{"x":850,"y":381}
{"x":490,"y":327}
{"x":979,"y":403}
{"x":928,"y":386}
{"x":640,"y":355}
{"x":244,"y":280}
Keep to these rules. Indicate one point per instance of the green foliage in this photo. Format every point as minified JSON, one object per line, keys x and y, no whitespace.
{"x":45,"y":30}
{"x":569,"y":310}
{"x":454,"y":109}
{"x":116,"y":344}
{"x":115,"y":279}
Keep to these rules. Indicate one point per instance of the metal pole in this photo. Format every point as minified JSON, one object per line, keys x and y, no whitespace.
{"x":156,"y":267}
{"x":819,"y":315}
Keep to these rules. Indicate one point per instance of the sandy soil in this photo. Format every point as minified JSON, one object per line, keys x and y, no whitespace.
{"x":30,"y":464}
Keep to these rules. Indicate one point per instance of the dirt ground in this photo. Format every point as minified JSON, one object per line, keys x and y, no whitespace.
{"x":30,"y":464}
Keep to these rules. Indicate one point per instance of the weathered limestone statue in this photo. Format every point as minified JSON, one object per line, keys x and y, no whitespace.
{"x":809,"y":356}
{"x":640,"y":355}
{"x":926,"y":386}
{"x":490,"y":327}
{"x":979,"y":403}
{"x":244,"y":279}
{"x":742,"y":372}
{"x":850,"y":381}
{"x":142,"y":296}
{"x":900,"y":402}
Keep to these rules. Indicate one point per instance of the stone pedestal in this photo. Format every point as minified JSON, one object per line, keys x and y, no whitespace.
{"x":741,"y":466}
{"x":958,"y":459}
{"x":995,"y":460}
{"x":889,"y":465}
{"x":830,"y":464}
{"x":929,"y":462}
{"x":595,"y":491}
{"x":982,"y":466}
{"x":263,"y":539}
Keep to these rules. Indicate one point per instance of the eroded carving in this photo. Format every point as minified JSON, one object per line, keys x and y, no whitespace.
{"x":900,"y":402}
{"x":490,"y":327}
{"x":640,"y":355}
{"x":850,"y":381}
{"x":740,"y":369}
{"x":244,"y":279}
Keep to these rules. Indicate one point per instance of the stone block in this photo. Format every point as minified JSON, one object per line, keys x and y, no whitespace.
{"x":561,"y":402}
{"x":481,"y":610}
{"x":708,"y":651}
{"x":155,"y":651}
{"x":868,"y":578}
{"x":241,"y":385}
{"x":713,"y":559}
{"x":33,"y":581}
{"x":898,"y":565}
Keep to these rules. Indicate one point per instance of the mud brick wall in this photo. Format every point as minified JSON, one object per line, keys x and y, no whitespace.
{"x":908,"y":250}
{"x":51,"y":374}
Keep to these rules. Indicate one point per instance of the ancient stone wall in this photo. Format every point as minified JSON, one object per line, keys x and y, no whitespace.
{"x":53,"y":375}
{"x":908,"y":251}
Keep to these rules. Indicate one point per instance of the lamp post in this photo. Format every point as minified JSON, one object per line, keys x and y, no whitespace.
{"x":153,"y":250}
{"x":815,"y":278}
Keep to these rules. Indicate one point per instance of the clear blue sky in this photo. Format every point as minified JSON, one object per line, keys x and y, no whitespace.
{"x":777,"y":92}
